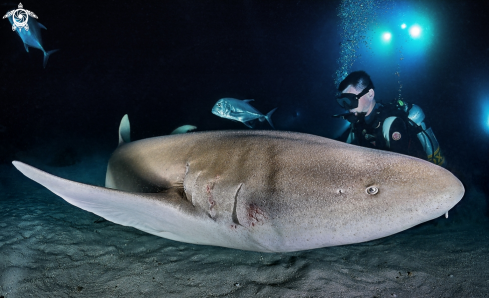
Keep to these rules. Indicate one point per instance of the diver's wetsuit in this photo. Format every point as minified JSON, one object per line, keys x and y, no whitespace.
{"x":369,"y":132}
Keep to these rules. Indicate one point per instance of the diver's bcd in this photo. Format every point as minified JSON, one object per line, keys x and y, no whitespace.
{"x":415,"y":119}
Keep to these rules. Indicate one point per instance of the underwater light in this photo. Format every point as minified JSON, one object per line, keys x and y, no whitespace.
{"x":415,"y":31}
{"x":485,"y":115}
{"x":386,"y":36}
{"x":403,"y":26}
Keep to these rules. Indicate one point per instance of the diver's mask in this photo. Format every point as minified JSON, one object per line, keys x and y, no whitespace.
{"x":349,"y":101}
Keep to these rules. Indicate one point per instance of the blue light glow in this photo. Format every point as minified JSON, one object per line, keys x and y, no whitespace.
{"x":485,"y":115}
{"x":403,"y":35}
{"x":386,"y":36}
{"x":344,"y":126}
{"x":415,"y":31}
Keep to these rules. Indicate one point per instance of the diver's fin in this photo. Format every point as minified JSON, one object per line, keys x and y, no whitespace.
{"x":26,"y":47}
{"x":248,"y":100}
{"x":124,"y":130}
{"x":164,"y":214}
{"x":269,"y":119}
{"x":46,"y":57}
{"x":183,"y":129}
{"x":42,"y":26}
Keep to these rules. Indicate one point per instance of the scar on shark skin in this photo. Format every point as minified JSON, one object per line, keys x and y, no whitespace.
{"x":212,"y":203}
{"x":255,"y":214}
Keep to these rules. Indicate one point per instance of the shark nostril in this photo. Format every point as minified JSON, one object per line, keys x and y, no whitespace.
{"x":372,"y":190}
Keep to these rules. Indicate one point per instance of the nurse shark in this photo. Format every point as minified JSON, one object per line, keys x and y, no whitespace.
{"x":266,"y":191}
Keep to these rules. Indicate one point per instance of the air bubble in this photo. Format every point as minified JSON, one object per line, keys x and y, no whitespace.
{"x":356,"y":18}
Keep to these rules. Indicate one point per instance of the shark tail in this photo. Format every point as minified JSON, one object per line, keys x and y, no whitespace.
{"x":46,"y":57}
{"x":269,"y":119}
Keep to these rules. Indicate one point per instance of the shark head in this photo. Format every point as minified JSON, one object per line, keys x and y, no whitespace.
{"x":374,"y":194}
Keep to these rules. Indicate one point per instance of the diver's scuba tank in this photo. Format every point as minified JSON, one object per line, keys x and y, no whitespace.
{"x":425,"y":135}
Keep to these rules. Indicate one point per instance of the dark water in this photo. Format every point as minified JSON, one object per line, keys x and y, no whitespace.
{"x":165,"y":63}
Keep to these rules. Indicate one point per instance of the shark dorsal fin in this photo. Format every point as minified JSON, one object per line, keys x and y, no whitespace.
{"x":124,"y":130}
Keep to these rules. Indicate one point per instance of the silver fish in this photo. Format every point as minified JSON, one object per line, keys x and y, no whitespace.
{"x":32,"y":36}
{"x":240,"y":110}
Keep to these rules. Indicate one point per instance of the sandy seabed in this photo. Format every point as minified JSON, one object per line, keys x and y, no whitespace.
{"x":49,"y":248}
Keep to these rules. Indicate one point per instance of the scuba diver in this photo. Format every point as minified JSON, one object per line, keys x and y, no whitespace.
{"x":397,"y":126}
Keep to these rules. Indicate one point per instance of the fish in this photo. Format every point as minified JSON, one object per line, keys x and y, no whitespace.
{"x":261,"y":190}
{"x":240,"y":110}
{"x":32,"y":37}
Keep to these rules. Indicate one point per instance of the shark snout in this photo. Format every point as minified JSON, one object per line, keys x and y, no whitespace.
{"x":445,"y":191}
{"x":451,"y":191}
{"x":417,"y":191}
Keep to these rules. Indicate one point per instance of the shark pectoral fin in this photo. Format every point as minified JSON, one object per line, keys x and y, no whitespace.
{"x":26,"y":47}
{"x":165,"y":215}
{"x":42,"y":26}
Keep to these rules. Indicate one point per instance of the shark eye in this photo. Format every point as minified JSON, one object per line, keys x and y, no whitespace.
{"x":372,"y":190}
{"x":218,"y":104}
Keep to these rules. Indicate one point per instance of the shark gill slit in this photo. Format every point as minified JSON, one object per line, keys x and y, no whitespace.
{"x":187,"y":196}
{"x":235,"y":216}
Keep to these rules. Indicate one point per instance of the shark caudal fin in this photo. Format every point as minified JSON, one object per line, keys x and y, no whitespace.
{"x":163,"y":214}
{"x":124,"y":130}
{"x":269,"y":119}
{"x":46,"y":57}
